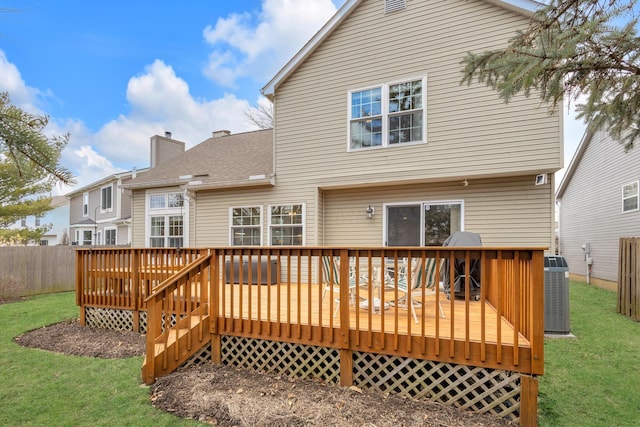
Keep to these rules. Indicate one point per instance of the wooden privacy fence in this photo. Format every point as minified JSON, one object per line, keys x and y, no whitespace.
{"x":33,"y":270}
{"x":629,"y":277}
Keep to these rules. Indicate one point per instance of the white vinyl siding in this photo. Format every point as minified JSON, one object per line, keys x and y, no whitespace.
{"x":507,"y":212}
{"x":591,"y":207}
{"x":470,"y":131}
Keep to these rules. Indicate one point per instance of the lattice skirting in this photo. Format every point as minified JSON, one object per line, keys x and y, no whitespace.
{"x":119,"y":319}
{"x":294,"y":360}
{"x":109,"y":318}
{"x":466,"y":387}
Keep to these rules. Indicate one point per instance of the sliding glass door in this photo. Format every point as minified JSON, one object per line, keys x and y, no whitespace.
{"x":422,"y":224}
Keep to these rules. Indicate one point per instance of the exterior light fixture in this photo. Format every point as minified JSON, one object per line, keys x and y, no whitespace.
{"x":369,"y":211}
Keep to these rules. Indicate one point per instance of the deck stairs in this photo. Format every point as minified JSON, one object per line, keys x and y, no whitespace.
{"x":179,"y":343}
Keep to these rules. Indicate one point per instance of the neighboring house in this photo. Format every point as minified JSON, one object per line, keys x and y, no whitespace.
{"x":599,"y":202}
{"x":57,"y":218}
{"x":375,"y":143}
{"x":100,"y":213}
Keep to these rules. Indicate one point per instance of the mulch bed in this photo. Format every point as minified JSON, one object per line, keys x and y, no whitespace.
{"x":225,"y":396}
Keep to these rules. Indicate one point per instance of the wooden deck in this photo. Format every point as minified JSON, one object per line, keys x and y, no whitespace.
{"x":306,"y":308}
{"x":294,"y":305}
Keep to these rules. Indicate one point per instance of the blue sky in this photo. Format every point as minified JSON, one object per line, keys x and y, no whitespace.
{"x":112,"y":74}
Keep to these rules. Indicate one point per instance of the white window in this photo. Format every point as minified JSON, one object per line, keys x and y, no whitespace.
{"x":44,"y":242}
{"x":286,"y":225}
{"x":110,"y":236}
{"x":37,"y":221}
{"x":85,"y":204}
{"x":246,"y":226}
{"x":106,"y":198}
{"x":422,"y":224}
{"x":386,"y":115}
{"x":166,"y":200}
{"x":166,"y":231}
{"x":166,"y":216}
{"x":86,"y":237}
{"x":23,"y":222}
{"x":630,"y":197}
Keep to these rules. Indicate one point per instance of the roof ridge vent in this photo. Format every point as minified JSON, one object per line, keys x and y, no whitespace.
{"x":393,"y":5}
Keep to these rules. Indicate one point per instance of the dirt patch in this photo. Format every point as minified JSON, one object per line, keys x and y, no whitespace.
{"x":70,"y":338}
{"x":224,"y":396}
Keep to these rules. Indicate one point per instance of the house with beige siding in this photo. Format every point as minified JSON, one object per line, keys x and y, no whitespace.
{"x":375,"y":143}
{"x":100,"y":213}
{"x":598,"y":203}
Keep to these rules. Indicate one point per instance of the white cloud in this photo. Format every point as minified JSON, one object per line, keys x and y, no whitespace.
{"x":21,"y":95}
{"x":160,"y":101}
{"x":242,"y":47}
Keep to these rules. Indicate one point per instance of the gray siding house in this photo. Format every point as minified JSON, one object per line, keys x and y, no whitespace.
{"x":598,"y":202}
{"x":375,"y":143}
{"x":100,"y":213}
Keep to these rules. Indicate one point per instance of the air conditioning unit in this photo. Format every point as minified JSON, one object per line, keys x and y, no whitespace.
{"x":556,"y":295}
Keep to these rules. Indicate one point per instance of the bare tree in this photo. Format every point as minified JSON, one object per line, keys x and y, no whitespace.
{"x":262,"y":115}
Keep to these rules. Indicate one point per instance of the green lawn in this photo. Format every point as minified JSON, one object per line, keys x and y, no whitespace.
{"x":594,"y":379}
{"x":41,"y":388}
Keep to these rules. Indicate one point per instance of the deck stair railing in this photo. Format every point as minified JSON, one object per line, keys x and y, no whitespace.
{"x":177,"y":319}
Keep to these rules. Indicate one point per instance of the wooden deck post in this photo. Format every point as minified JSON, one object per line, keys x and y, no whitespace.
{"x":135,"y":284}
{"x":346,"y":355}
{"x":528,"y":401}
{"x":214,"y":297}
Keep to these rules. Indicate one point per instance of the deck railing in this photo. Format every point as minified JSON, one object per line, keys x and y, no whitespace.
{"x":286,"y":294}
{"x":503,"y":328}
{"x":177,"y":310}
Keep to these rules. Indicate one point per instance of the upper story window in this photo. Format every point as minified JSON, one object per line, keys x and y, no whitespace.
{"x":85,"y":204}
{"x":23,"y":222}
{"x":246,"y":226}
{"x":386,"y":115}
{"x":630,"y":197}
{"x":106,"y":198}
{"x":37,"y":221}
{"x":286,"y":225}
{"x":166,"y":200}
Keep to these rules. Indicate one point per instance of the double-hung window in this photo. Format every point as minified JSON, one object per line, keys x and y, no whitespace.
{"x":389,"y":114}
{"x":166,"y":220}
{"x":630,"y":197}
{"x":106,"y":198}
{"x":286,"y":225}
{"x":246,"y":226}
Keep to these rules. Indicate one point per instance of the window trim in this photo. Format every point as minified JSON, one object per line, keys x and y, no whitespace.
{"x":85,"y":204}
{"x":103,"y":189}
{"x":385,"y":113}
{"x":260,"y":226}
{"x":115,"y":230}
{"x":637,"y":196}
{"x":422,"y":205}
{"x":166,"y":212}
{"x":302,"y":224}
